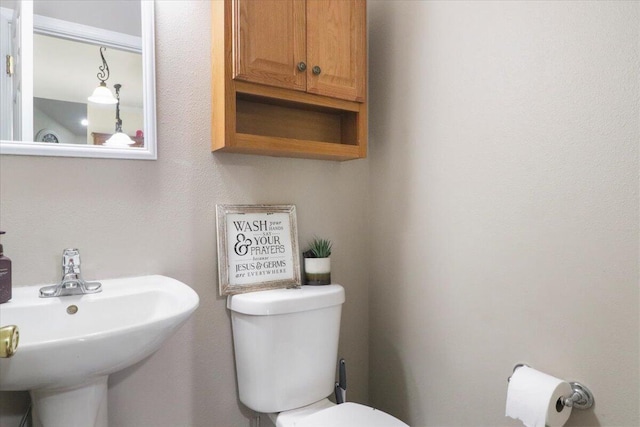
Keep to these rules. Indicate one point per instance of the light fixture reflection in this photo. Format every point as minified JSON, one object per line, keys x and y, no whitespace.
{"x":119,"y":138}
{"x":102,"y":94}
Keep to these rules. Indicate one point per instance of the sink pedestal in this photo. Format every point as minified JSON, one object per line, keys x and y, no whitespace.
{"x":79,"y":405}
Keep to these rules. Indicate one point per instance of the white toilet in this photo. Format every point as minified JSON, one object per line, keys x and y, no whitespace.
{"x":286,"y":346}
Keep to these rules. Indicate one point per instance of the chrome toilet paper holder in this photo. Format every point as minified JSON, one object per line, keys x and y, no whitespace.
{"x":581,"y":397}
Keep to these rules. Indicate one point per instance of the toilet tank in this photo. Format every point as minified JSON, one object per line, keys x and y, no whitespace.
{"x":286,"y":345}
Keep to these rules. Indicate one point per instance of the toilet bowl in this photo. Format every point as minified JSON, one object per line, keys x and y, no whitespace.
{"x":286,"y":351}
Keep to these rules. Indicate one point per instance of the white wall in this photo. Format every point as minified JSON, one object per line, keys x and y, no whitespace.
{"x":141,"y":217}
{"x":504,"y":200}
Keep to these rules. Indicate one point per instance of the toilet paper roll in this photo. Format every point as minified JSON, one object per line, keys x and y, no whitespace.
{"x":532,"y":397}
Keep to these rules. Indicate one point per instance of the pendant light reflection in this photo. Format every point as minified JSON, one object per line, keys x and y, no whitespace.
{"x":119,"y":138}
{"x":102,"y":94}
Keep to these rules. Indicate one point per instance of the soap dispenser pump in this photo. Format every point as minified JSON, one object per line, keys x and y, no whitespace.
{"x":5,"y":276}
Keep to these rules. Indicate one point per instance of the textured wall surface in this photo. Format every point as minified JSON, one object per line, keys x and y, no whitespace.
{"x":500,"y":202}
{"x":146,"y":217}
{"x":504,"y":200}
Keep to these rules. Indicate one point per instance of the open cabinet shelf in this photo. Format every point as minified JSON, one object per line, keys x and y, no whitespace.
{"x":282,"y":128}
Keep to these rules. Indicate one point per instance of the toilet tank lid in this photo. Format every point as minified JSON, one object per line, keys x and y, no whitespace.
{"x":283,"y":301}
{"x":348,"y":415}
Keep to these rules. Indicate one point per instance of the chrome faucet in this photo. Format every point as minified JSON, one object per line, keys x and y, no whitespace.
{"x":72,"y":282}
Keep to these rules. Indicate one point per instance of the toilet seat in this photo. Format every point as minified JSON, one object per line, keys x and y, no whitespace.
{"x":351,"y":415}
{"x":325,"y":413}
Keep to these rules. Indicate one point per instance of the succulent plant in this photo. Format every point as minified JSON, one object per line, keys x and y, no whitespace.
{"x":318,"y":248}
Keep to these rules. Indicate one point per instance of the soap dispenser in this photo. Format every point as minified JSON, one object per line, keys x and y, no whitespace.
{"x":5,"y":276}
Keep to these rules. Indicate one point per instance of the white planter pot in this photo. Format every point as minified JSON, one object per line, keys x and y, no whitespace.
{"x":317,"y":271}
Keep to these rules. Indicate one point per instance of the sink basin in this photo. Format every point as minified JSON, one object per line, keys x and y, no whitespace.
{"x":69,"y":345}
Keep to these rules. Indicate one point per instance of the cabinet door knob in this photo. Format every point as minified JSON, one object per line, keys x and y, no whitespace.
{"x":302,"y":66}
{"x":316,"y":70}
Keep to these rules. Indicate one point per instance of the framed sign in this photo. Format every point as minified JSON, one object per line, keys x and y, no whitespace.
{"x":257,"y":248}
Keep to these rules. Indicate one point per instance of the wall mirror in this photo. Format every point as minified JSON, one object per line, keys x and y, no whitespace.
{"x":55,"y":54}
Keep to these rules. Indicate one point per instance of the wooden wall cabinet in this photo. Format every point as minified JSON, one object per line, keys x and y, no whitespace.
{"x":289,"y":78}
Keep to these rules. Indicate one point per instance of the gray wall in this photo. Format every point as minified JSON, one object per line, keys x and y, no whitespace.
{"x":503,"y":183}
{"x":144,"y":217}
{"x":504,"y":200}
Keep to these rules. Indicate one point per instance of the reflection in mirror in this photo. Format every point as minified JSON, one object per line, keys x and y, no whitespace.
{"x":75,"y":47}
{"x":59,"y":121}
{"x":53,"y":56}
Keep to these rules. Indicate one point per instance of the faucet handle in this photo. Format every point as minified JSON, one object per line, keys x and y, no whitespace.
{"x":70,"y":257}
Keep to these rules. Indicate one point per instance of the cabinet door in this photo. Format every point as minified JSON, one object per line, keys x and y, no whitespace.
{"x":269,"y":42}
{"x":336,"y":43}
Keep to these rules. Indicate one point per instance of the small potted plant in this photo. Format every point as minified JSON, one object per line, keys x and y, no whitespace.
{"x":317,"y":264}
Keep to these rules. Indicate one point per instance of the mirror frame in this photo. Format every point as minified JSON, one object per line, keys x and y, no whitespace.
{"x":150,"y":149}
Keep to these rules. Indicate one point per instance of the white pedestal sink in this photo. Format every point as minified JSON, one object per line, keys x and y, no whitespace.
{"x":69,"y":345}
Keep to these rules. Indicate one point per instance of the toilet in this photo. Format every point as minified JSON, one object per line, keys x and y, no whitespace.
{"x":286,"y":348}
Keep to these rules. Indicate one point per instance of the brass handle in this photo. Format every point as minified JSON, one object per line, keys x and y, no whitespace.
{"x":9,"y":337}
{"x":302,"y":66}
{"x":316,"y":70}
